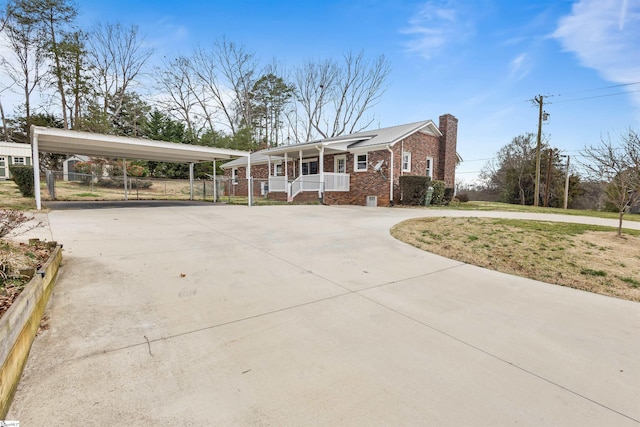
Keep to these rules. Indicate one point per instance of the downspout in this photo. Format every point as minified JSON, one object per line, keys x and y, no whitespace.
{"x":391,"y":177}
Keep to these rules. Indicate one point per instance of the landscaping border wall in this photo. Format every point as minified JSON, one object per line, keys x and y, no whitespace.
{"x":19,"y":325}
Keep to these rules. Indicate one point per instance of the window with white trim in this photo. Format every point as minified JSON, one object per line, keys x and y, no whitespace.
{"x":234,"y":175}
{"x":310,"y":166}
{"x":360,"y":163}
{"x":430,"y":167}
{"x":406,"y":161}
{"x":278,"y":171}
{"x":18,"y":161}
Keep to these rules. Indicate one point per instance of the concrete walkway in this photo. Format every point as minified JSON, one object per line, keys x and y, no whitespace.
{"x":313,"y":315}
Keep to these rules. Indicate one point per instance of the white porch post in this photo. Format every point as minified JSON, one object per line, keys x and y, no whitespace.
{"x":36,"y":168}
{"x":124,"y":171}
{"x":286,"y":175}
{"x":190,"y":181}
{"x":300,"y":161}
{"x":215,"y":184}
{"x":321,"y":166}
{"x":391,"y":176}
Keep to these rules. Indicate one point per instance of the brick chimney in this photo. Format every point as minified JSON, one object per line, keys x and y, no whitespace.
{"x":448,"y":158}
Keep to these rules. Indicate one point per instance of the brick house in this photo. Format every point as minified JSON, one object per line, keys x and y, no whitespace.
{"x":357,"y":169}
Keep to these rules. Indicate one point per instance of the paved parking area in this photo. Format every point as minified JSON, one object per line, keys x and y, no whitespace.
{"x":312,"y":315}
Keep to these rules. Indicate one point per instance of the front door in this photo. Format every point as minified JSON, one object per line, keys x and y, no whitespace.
{"x":340,"y":164}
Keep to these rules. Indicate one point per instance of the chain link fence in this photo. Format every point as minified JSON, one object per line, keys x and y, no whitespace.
{"x":79,"y":186}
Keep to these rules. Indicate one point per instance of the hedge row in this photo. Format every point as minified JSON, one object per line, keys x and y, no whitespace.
{"x":23,"y":177}
{"x":414,"y":190}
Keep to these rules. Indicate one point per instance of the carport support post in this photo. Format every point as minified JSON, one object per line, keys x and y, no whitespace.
{"x":321,"y":164}
{"x":190,"y":181}
{"x":36,"y":168}
{"x":124,"y":171}
{"x":249,"y":183}
{"x":215,"y":184}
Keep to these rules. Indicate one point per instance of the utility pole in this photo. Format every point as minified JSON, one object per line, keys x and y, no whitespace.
{"x":536,"y":193}
{"x":542,"y":115}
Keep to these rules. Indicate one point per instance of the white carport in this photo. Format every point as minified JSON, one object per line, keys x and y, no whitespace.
{"x":61,"y":141}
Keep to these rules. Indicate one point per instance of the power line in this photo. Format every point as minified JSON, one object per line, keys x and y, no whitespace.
{"x":594,"y":97}
{"x":600,"y":88}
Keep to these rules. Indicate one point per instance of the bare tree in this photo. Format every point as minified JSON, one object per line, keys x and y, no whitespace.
{"x":335,"y":97}
{"x":314,"y":81}
{"x":177,"y":83}
{"x":117,"y":55}
{"x":210,"y":94}
{"x":617,"y":167}
{"x":239,"y":68}
{"x":25,"y":66}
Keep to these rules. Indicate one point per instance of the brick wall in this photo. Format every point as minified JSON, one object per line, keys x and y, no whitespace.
{"x":421,"y":146}
{"x":363,"y":184}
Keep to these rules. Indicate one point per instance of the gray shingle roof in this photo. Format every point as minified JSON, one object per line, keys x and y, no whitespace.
{"x":353,"y":142}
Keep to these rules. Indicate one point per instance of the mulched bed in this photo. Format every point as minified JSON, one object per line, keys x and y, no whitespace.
{"x":18,"y":264}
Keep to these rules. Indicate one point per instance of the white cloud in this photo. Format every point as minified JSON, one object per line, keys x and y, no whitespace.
{"x":604,"y":35}
{"x":519,"y":67}
{"x":437,"y":24}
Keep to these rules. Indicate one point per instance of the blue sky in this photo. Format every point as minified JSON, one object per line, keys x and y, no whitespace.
{"x":478,"y":60}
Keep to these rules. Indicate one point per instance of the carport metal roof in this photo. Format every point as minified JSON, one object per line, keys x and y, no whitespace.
{"x":62,"y":141}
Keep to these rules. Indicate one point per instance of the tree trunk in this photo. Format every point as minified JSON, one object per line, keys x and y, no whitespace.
{"x":4,"y":124}
{"x":620,"y":224}
{"x":58,"y":74}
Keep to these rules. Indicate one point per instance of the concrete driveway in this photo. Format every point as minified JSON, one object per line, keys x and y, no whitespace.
{"x":312,"y":315}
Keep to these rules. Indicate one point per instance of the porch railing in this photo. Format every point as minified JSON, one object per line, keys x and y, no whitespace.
{"x":278,"y":184}
{"x":336,"y":181}
{"x":305,"y":183}
{"x":332,"y":182}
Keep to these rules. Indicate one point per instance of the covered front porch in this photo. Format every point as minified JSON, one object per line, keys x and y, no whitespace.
{"x":293,"y":170}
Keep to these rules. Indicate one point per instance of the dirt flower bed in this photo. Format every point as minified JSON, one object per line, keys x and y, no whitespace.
{"x":579,"y":256}
{"x":18,"y":264}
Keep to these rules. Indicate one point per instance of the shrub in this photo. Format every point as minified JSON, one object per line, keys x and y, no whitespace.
{"x":85,"y":169}
{"x":413,"y":189}
{"x":448,"y":195}
{"x":463,"y":197}
{"x":23,"y":177}
{"x":438,"y":192}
